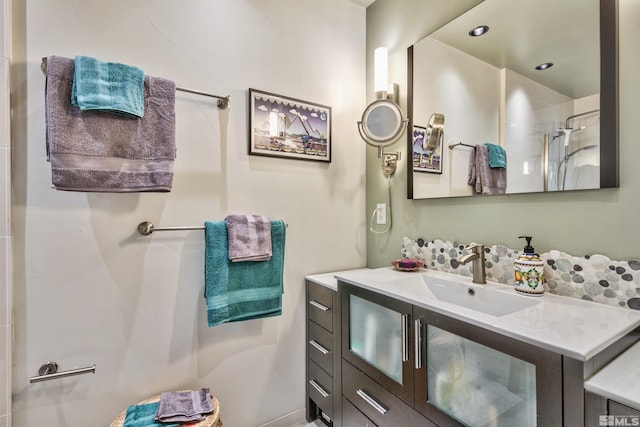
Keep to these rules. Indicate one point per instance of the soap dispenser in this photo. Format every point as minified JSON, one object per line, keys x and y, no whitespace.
{"x":529,"y":271}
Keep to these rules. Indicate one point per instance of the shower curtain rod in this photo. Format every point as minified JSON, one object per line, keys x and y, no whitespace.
{"x":223,"y":101}
{"x":146,"y":228}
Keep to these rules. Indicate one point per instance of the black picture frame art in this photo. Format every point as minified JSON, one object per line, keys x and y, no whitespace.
{"x":280,"y":126}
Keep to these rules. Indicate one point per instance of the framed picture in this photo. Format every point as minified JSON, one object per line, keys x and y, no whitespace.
{"x":286,"y":127}
{"x":423,"y":160}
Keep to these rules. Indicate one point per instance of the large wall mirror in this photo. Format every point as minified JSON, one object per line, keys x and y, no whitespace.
{"x":557,"y":127}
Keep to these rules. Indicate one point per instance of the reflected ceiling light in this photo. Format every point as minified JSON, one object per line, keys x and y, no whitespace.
{"x":479,"y":30}
{"x":544,"y":66}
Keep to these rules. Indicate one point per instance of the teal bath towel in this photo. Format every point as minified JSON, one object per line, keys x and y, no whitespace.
{"x":497,"y":157}
{"x":143,"y":416}
{"x":108,"y":86}
{"x":242,"y":290}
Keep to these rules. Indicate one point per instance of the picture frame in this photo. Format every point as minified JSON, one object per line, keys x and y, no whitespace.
{"x":425,"y":161}
{"x":280,"y":126}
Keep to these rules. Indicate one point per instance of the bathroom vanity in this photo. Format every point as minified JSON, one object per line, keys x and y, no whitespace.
{"x":433,"y":349}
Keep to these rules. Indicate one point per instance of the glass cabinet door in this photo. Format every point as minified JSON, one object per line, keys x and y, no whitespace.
{"x":375,"y":338}
{"x":477,"y":385}
{"x":467,"y":375}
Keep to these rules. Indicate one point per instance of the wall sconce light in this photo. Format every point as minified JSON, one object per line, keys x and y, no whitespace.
{"x":381,"y":85}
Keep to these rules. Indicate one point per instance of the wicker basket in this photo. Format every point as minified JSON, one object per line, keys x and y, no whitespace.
{"x":212,"y":420}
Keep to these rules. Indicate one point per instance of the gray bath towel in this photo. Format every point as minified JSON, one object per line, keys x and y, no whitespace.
{"x":96,"y":151}
{"x":249,"y":238}
{"x":484,"y":179}
{"x":184,"y":406}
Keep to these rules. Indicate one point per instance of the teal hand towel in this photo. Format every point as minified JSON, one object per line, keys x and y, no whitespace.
{"x":237,"y":291}
{"x":107,"y":86}
{"x":497,"y":157}
{"x":143,"y":416}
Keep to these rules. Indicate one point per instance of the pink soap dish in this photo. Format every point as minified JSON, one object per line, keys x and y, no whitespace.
{"x":407,"y":264}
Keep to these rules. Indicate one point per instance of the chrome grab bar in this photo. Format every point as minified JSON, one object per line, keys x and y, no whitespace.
{"x":49,"y":371}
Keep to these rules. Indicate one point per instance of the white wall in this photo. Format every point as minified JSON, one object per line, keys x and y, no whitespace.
{"x":531,"y":111}
{"x":90,"y":290}
{"x":5,"y":223}
{"x":464,"y":89}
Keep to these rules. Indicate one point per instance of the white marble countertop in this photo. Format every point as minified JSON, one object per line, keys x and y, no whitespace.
{"x":572,"y":327}
{"x":329,"y":280}
{"x":620,"y":379}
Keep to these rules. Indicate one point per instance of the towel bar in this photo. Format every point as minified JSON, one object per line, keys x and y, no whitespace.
{"x":146,"y":228}
{"x":452,"y":146}
{"x":49,"y":371}
{"x":223,"y":101}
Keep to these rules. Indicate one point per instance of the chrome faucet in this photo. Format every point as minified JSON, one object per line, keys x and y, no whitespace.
{"x":477,"y":256}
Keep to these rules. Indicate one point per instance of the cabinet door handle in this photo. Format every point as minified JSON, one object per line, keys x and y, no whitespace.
{"x":319,"y":388}
{"x":316,"y":304}
{"x":319,"y":347}
{"x":371,"y":401}
{"x":405,"y":337}
{"x":417,"y":327}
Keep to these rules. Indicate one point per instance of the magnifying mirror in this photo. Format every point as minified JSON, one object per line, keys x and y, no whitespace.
{"x":382,"y":123}
{"x":435,"y":132}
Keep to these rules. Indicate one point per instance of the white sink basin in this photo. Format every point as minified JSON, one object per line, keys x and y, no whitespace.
{"x":478,"y":297}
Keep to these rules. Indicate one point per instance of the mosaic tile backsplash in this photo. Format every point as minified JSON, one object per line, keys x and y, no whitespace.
{"x":592,"y":277}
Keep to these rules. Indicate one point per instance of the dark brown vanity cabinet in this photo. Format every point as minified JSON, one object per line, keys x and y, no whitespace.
{"x":403,"y":365}
{"x":600,"y":411}
{"x":323,"y":354}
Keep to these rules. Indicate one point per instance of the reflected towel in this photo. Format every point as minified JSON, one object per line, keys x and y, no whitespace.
{"x":249,"y":237}
{"x":107,"y":86}
{"x":93,"y":151}
{"x":143,"y":415}
{"x":484,"y":179}
{"x":242,"y":290}
{"x":184,"y":406}
{"x":497,"y":156}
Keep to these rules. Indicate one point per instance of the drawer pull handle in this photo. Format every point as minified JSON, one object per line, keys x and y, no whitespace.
{"x":319,"y":347}
{"x":418,"y":343}
{"x":320,"y":390}
{"x":371,"y":401}
{"x":316,"y":304}
{"x":405,"y":337}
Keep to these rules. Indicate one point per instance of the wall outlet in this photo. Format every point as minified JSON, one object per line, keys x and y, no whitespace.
{"x":381,"y":216}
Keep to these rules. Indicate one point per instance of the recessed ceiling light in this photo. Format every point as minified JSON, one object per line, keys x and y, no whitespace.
{"x":478,"y":31}
{"x":544,"y":66}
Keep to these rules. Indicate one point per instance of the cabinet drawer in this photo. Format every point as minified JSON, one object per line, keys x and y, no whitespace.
{"x":616,"y":408}
{"x":376,"y":403}
{"x":320,"y":347}
{"x":320,"y":305}
{"x":319,"y":388}
{"x":352,"y":417}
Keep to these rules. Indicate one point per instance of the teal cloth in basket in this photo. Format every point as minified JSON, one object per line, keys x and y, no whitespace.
{"x":107,"y":86}
{"x":237,"y":291}
{"x":143,"y":416}
{"x":497,"y":157}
